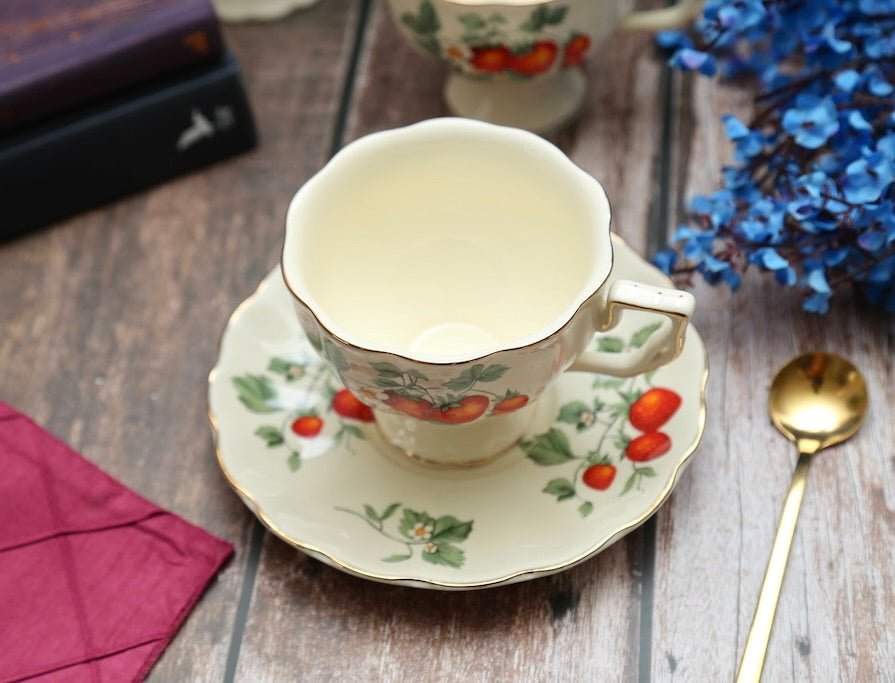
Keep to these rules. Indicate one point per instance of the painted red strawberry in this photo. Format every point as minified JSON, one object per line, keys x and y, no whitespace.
{"x":415,"y":407}
{"x":652,"y":410}
{"x":575,"y":50}
{"x":490,"y":59}
{"x":537,"y":60}
{"x":307,"y":426}
{"x":648,"y":447}
{"x":599,"y":477}
{"x":468,"y":408}
{"x":510,"y":403}
{"x":347,"y":405}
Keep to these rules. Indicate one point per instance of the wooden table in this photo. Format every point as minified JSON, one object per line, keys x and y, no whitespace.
{"x":110,"y":324}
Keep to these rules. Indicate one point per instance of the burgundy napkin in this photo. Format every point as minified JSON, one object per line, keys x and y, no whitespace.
{"x":94,"y":580}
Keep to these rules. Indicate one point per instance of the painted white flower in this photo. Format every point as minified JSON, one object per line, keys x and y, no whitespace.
{"x":296,"y":371}
{"x":430,"y":548}
{"x":587,"y":418}
{"x":421,"y":531}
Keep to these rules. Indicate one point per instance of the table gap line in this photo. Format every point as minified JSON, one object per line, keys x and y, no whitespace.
{"x":347,"y":98}
{"x":656,"y":237}
{"x":245,"y":600}
{"x":253,"y":561}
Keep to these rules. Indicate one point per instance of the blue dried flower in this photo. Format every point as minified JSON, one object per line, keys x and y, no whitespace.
{"x":812,"y":121}
{"x":694,"y":60}
{"x":812,"y":197}
{"x":866,"y":178}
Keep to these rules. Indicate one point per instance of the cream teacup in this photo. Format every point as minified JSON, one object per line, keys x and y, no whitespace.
{"x":450,"y":270}
{"x":518,"y":62}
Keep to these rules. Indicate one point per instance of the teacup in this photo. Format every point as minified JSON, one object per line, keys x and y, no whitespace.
{"x":518,"y":62}
{"x":450,"y":270}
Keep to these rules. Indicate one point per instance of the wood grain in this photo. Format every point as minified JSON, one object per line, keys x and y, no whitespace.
{"x":110,"y":320}
{"x":580,"y":625}
{"x":717,"y":532}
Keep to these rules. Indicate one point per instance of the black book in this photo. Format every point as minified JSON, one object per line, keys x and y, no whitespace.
{"x":107,"y":150}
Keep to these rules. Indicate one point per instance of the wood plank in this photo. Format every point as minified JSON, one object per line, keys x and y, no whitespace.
{"x":834,"y":619}
{"x":111,"y":319}
{"x":312,"y":622}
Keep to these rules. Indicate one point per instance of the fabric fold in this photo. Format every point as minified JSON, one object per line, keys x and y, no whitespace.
{"x":94,"y":579}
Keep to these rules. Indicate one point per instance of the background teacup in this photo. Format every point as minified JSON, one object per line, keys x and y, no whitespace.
{"x":518,"y":62}
{"x":450,"y":270}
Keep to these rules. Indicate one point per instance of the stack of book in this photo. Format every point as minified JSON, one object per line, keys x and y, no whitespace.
{"x":99,"y":98}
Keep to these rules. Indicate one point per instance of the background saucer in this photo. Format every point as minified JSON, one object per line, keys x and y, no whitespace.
{"x":341,"y":495}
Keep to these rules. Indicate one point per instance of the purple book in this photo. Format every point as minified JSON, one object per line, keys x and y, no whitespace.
{"x":57,"y":55}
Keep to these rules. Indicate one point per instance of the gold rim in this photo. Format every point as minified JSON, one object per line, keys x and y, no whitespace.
{"x":415,"y":582}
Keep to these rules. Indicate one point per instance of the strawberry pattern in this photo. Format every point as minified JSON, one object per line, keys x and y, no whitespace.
{"x":620,"y":407}
{"x":309,"y":408}
{"x":488,"y":44}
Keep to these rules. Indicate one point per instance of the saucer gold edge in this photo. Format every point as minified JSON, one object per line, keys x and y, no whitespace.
{"x":415,"y":582}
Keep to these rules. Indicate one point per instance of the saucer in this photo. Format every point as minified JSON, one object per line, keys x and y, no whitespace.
{"x":601,"y":455}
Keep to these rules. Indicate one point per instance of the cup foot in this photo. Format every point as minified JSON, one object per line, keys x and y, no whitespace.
{"x":540,"y":105}
{"x":466,"y":445}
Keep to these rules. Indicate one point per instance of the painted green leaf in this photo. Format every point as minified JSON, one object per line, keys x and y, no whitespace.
{"x":411,"y":22}
{"x":272,"y":435}
{"x":410,"y":519}
{"x":449,"y":528}
{"x":497,"y":18}
{"x":416,"y":374}
{"x":561,"y":488}
{"x":428,"y":19}
{"x":640,"y":337}
{"x":256,"y":393}
{"x":294,"y":461}
{"x":472,"y":22}
{"x":461,"y":383}
{"x":648,"y":376}
{"x":606,"y":382}
{"x":620,"y":408}
{"x":477,"y":373}
{"x":389,"y":511}
{"x":430,"y":44}
{"x":585,"y":509}
{"x":386,"y":382}
{"x":371,"y":513}
{"x":610,"y":344}
{"x":396,"y":558}
{"x":630,"y":397}
{"x":445,"y":554}
{"x":646,"y":471}
{"x":632,"y":480}
{"x":621,"y":442}
{"x":386,"y":369}
{"x":536,"y":20}
{"x":492,"y":373}
{"x":281,"y":366}
{"x":551,"y":448}
{"x":555,"y":16}
{"x":571,"y":412}
{"x":353,"y":430}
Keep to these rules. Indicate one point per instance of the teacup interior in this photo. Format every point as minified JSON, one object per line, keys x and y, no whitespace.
{"x":447,"y":245}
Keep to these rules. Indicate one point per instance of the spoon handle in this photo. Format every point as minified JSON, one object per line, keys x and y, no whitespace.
{"x":760,"y":633}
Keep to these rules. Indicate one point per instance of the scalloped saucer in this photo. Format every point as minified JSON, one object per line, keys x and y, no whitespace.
{"x":308,"y":460}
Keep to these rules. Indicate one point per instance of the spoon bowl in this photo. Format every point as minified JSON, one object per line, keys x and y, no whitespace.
{"x":816,"y":400}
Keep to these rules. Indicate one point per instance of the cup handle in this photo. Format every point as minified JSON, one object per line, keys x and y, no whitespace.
{"x":661,"y":348}
{"x":676,"y":16}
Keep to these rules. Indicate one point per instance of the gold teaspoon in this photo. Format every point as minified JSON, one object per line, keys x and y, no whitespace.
{"x":816,"y":400}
